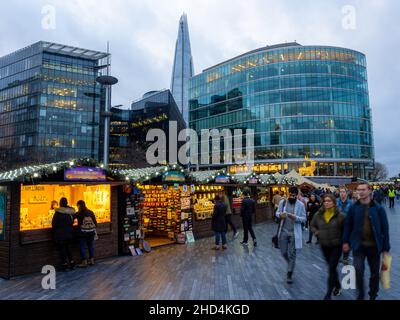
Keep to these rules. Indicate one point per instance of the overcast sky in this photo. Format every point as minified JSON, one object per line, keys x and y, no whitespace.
{"x":143,"y":35}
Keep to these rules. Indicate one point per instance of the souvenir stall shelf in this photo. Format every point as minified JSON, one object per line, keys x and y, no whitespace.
{"x":204,"y":201}
{"x":38,"y":203}
{"x":166,"y":213}
{"x":203,"y":209}
{"x":130,"y":220}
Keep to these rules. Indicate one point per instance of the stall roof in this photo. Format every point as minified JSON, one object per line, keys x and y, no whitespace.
{"x":139,"y":174}
{"x":32,"y":171}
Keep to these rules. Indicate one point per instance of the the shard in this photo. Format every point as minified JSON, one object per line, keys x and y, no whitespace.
{"x":183,"y":69}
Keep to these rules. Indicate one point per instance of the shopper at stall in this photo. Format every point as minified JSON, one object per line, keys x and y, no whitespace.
{"x":312,"y":208}
{"x":219,"y":223}
{"x":293,"y":213}
{"x":228,"y":216}
{"x":327,"y":225}
{"x":86,"y":232}
{"x":63,"y":233}
{"x":247,"y":210}
{"x":366,"y":233}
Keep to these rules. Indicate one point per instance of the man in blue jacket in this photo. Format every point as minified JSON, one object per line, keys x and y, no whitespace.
{"x":366,"y":231}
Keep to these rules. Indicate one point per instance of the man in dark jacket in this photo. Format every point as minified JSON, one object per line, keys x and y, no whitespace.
{"x":63,"y":232}
{"x":86,"y":232}
{"x":247,"y":210}
{"x":366,"y":232}
{"x":219,"y":223}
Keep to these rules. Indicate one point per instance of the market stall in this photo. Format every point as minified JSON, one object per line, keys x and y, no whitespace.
{"x":30,"y":197}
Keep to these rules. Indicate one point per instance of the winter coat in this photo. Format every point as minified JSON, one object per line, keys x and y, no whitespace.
{"x":248,"y":208}
{"x":301,"y":217}
{"x":312,"y":208}
{"x":62,"y":224}
{"x":80,"y":215}
{"x":353,"y":227}
{"x":329,"y":234}
{"x":344,"y":206}
{"x":218,"y":218}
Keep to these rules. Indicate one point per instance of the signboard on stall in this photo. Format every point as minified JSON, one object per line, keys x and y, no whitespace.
{"x":253,"y":181}
{"x":2,"y":216}
{"x":222,"y":179}
{"x":84,"y":174}
{"x":173,"y":176}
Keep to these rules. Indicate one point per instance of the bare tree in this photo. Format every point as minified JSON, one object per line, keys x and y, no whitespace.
{"x":380,"y":172}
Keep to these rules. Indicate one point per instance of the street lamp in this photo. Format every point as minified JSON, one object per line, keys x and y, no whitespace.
{"x":107,"y":81}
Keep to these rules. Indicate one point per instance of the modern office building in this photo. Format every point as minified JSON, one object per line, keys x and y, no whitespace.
{"x":304,"y":102}
{"x":129,"y":128}
{"x":183,"y":68}
{"x":50,"y":104}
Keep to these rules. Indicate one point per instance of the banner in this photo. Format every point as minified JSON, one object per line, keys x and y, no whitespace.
{"x":84,"y":174}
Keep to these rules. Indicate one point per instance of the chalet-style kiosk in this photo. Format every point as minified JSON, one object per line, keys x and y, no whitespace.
{"x":26,"y":197}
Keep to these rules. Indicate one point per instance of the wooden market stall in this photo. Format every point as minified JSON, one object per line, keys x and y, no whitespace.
{"x":27,"y":196}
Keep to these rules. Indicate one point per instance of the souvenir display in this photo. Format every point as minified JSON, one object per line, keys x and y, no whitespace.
{"x":204,"y":201}
{"x":38,"y":203}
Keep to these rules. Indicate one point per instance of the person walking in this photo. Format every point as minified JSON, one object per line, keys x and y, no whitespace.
{"x":344,"y":203}
{"x":312,"y":208}
{"x":392,"y":196}
{"x":275,"y":202}
{"x":327,"y":225}
{"x":63,"y":233}
{"x":247,"y":210}
{"x":86,"y":232}
{"x":292,"y":213}
{"x":366,"y":232}
{"x":219,"y":223}
{"x":228,"y":216}
{"x":378,"y":195}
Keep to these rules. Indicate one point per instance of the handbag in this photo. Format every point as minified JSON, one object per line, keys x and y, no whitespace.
{"x":275,"y":238}
{"x":385,"y":271}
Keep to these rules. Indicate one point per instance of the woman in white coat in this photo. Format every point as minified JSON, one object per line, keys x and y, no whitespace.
{"x":292,"y":213}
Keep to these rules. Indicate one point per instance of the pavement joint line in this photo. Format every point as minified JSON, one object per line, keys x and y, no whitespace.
{"x":317,"y":267}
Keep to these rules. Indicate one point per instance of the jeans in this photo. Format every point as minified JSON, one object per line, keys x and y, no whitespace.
{"x":374,"y":261}
{"x":65,"y":252}
{"x":332,"y":256}
{"x":391,"y":202}
{"x":89,"y":242}
{"x":247,"y":226}
{"x":228,"y":219}
{"x":288,"y":248}
{"x":219,"y":236}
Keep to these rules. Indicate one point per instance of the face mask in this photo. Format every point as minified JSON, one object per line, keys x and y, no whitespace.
{"x":292,"y":201}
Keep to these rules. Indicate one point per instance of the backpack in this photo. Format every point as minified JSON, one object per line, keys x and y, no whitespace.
{"x":88,"y":226}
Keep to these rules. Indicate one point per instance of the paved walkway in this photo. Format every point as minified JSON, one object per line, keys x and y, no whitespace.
{"x":195,"y":272}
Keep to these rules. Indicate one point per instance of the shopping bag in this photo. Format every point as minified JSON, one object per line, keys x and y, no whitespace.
{"x":385,"y":271}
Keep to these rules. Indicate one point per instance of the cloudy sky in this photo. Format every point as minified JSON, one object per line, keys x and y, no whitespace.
{"x":143,"y":34}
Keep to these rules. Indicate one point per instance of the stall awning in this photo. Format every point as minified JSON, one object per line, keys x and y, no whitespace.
{"x":33,"y":171}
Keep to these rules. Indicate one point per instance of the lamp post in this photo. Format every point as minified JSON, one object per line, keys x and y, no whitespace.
{"x":107,"y":81}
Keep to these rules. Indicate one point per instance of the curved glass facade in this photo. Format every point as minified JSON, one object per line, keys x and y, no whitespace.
{"x":302,"y":101}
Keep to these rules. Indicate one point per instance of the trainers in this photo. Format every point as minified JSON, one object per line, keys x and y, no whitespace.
{"x":84,"y":264}
{"x":337,"y":292}
{"x":236,"y":235}
{"x":225,"y":247}
{"x":91,"y":262}
{"x":216,"y":248}
{"x":244,"y":243}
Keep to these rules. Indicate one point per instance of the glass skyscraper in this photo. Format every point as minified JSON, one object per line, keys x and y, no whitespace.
{"x":50,"y":104}
{"x":304,"y":102}
{"x":183,"y":69}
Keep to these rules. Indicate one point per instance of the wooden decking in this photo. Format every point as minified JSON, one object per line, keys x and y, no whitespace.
{"x":194,"y":272}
